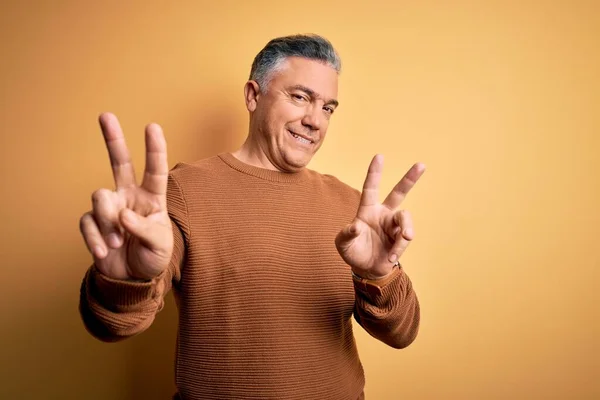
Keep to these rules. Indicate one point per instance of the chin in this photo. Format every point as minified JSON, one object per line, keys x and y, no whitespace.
{"x":296,"y":162}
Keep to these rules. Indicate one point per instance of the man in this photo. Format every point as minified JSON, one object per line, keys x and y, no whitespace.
{"x":268,"y":260}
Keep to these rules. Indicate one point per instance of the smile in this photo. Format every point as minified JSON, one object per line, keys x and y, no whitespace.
{"x":300,"y":138}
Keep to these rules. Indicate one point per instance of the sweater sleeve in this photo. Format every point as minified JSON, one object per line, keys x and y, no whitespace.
{"x":113,"y":309}
{"x":388,"y":309}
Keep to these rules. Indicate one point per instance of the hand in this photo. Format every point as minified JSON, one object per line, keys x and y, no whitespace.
{"x":373,"y":242}
{"x":128,"y":231}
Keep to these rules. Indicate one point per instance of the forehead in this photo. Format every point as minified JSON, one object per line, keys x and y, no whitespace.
{"x":316,"y":75}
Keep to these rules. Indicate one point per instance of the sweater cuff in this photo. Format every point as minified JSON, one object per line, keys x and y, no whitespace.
{"x":121,"y":295}
{"x":374,"y":289}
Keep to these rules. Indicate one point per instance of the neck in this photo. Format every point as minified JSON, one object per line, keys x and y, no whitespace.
{"x":250,"y":153}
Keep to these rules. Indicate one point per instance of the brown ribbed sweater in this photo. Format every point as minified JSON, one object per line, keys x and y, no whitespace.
{"x":265,"y":301}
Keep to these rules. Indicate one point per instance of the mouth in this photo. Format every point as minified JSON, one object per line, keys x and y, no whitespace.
{"x":300,"y":138}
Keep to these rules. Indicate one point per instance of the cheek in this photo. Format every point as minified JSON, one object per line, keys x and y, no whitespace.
{"x":278,"y":116}
{"x":287,"y":112}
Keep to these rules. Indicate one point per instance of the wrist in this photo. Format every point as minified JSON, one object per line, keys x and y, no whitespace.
{"x":120,"y":277}
{"x":367,"y":275}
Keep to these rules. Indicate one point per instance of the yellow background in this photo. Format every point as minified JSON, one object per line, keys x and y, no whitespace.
{"x":501,"y":100}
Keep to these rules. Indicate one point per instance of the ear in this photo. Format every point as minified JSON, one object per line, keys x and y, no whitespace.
{"x":251,"y":95}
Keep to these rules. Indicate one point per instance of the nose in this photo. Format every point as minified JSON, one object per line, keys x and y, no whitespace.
{"x":313,"y":118}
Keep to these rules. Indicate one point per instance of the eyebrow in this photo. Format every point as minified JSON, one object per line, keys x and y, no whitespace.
{"x":314,"y":94}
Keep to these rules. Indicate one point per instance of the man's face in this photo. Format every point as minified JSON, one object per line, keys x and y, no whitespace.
{"x":291,"y":116}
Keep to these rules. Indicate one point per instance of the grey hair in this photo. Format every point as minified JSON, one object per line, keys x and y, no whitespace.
{"x":270,"y":58}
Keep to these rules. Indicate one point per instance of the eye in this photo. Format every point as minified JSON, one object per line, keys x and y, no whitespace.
{"x":329,"y":109}
{"x":298,"y":97}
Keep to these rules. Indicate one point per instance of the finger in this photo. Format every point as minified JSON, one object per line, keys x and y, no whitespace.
{"x":400,"y":246}
{"x":118,"y":153}
{"x":152,"y":233}
{"x":397,"y":195}
{"x":370,"y":193}
{"x":403,"y":220}
{"x":157,"y":167}
{"x":404,"y":234}
{"x":106,"y":216}
{"x":92,"y":236}
{"x":347,"y":234}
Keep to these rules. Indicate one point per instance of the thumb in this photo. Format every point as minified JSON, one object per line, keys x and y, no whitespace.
{"x":346,"y":235}
{"x":148,"y":230}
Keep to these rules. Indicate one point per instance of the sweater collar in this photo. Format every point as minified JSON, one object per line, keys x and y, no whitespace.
{"x":263,"y":173}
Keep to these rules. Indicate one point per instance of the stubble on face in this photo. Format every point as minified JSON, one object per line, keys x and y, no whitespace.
{"x":292,"y":115}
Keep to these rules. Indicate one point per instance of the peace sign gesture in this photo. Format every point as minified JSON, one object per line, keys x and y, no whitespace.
{"x":374,"y":241}
{"x":128,"y":230}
